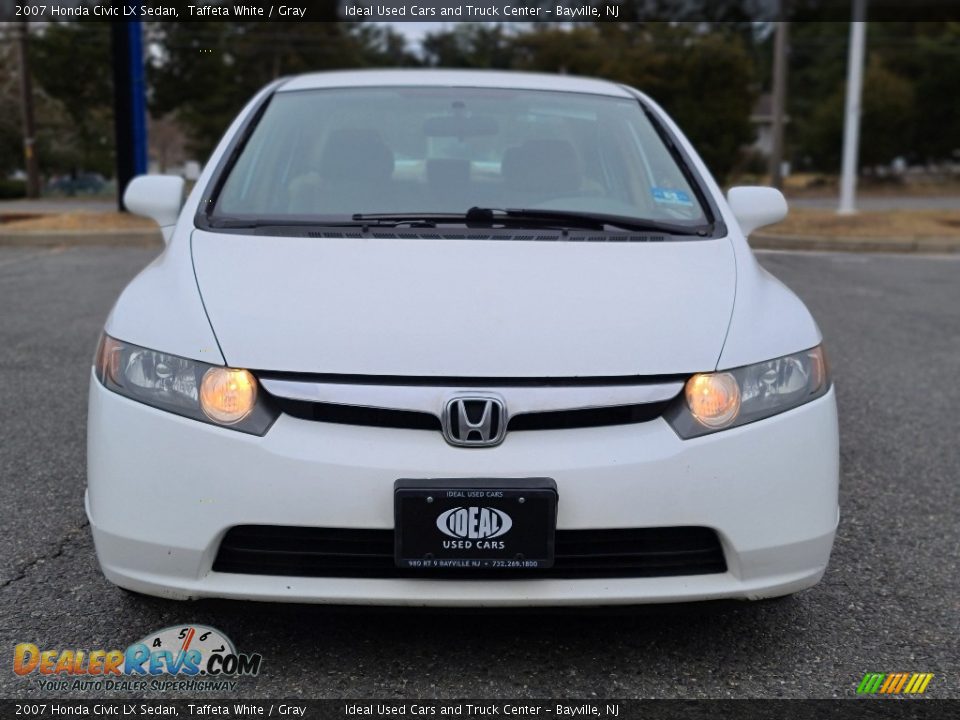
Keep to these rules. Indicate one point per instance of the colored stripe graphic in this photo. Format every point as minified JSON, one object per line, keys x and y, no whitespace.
{"x":870,"y":683}
{"x":894,"y":683}
{"x":918,"y":683}
{"x":889,"y":683}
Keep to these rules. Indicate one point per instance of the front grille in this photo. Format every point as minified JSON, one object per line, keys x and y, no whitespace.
{"x":415,"y":403}
{"x":412,"y":420}
{"x":587,"y":417}
{"x":358,"y":415}
{"x":337,"y":552}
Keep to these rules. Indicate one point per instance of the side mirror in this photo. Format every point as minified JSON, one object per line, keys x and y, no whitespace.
{"x":755,"y":206}
{"x":158,"y":197}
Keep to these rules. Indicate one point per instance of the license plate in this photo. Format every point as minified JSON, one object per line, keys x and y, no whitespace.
{"x":469,"y":524}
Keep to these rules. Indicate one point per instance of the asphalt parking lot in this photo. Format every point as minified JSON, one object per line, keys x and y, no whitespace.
{"x":889,"y":602}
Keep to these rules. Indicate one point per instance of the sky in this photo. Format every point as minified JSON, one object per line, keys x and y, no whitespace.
{"x":414,"y":31}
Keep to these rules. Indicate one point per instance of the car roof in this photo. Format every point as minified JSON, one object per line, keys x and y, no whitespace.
{"x":454,"y":78}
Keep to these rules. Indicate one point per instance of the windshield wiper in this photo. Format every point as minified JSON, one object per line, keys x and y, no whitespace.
{"x":475,"y":217}
{"x":486,"y":217}
{"x":602,"y":219}
{"x":356,"y":221}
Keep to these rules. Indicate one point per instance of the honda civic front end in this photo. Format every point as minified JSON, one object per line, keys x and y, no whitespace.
{"x":472,"y":339}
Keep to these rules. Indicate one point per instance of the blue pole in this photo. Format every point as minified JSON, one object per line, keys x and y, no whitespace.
{"x":138,"y":96}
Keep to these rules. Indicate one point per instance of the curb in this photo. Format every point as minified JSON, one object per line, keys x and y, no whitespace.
{"x":761,"y":241}
{"x":83,"y":238}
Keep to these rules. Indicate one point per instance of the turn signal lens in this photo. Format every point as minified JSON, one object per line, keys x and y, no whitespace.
{"x":107,"y":361}
{"x":227,"y":395}
{"x":713,"y":399}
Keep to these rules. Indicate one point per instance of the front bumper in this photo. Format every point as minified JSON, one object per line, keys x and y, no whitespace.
{"x":163,"y":490}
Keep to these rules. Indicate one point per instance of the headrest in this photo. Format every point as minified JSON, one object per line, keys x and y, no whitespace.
{"x":356,"y":154}
{"x":541,"y":166}
{"x":443,"y":172}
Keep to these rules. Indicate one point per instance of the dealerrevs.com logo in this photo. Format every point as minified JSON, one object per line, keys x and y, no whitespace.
{"x":181,"y":657}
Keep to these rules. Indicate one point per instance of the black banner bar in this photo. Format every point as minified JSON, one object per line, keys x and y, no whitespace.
{"x":517,"y":709}
{"x":454,"y":11}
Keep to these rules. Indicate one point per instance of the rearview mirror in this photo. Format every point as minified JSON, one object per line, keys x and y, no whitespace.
{"x":755,"y":206}
{"x":460,"y":126}
{"x":158,"y":197}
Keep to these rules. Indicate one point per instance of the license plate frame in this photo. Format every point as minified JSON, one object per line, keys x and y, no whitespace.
{"x":487,"y":523}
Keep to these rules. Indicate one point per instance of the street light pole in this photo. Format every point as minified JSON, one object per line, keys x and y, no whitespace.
{"x":129,"y":103}
{"x":32,"y":167}
{"x":851,"y":127}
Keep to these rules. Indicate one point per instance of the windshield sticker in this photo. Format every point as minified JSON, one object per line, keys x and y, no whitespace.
{"x":671,"y":197}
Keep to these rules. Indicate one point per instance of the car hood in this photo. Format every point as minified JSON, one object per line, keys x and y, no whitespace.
{"x":466,"y":308}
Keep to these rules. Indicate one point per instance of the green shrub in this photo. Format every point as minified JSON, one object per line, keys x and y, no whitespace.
{"x":12,"y":189}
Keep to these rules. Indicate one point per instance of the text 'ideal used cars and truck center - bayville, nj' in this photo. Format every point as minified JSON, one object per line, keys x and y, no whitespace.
{"x":56,"y":11}
{"x":482,"y":12}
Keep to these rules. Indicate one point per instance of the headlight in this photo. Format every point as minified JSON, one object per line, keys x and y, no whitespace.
{"x":210,"y":393}
{"x":714,"y":399}
{"x":720,"y":400}
{"x":227,"y":395}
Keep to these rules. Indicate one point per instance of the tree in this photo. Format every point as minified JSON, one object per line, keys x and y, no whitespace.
{"x":911,"y":97}
{"x":937,"y":126}
{"x":69,"y":62}
{"x":207,"y":71}
{"x":470,"y":45}
{"x":11,"y":138}
{"x":712,"y":97}
{"x":888,"y":116}
{"x":703,"y":79}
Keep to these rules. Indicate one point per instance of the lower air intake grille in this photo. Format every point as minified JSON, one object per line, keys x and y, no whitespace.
{"x":334,"y":552}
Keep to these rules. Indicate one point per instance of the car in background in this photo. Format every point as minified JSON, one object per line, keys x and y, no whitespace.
{"x":83,"y":183}
{"x":465,"y":339}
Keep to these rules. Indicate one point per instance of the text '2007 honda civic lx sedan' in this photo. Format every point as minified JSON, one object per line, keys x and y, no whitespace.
{"x":459,"y":338}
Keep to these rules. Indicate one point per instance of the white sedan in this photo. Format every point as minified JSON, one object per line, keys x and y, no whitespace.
{"x":459,"y":338}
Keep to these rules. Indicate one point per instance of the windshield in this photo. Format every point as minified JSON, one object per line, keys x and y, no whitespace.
{"x":329,"y":154}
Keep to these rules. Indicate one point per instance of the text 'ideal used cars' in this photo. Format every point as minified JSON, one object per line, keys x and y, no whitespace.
{"x":459,"y":338}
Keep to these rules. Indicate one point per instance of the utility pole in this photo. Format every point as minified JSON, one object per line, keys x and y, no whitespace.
{"x":26,"y":107}
{"x":851,"y":126}
{"x":779,"y":99}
